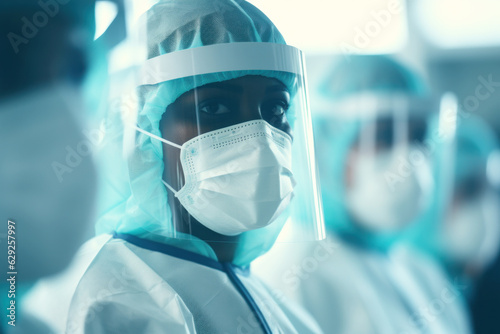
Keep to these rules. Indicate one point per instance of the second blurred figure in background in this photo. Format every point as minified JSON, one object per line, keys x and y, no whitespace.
{"x":381,"y":151}
{"x":469,"y":238}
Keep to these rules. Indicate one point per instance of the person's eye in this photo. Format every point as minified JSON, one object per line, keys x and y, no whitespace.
{"x":278,"y":108}
{"x":214,"y":108}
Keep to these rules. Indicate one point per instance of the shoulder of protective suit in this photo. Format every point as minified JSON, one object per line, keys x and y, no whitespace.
{"x":117,"y":295}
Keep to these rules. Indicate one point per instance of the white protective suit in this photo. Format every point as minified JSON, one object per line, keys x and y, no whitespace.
{"x":140,"y":286}
{"x":368,"y":292}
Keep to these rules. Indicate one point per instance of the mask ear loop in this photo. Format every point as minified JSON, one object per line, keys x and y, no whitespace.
{"x":166,"y":142}
{"x":170,"y":188}
{"x":159,"y":138}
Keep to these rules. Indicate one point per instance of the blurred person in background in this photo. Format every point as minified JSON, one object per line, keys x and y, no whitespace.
{"x":220,"y":154}
{"x":377,"y":147}
{"x":470,"y":235}
{"x":47,"y":177}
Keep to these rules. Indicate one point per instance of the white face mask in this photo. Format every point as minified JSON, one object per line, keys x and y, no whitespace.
{"x":382,"y":199}
{"x":238,"y":178}
{"x":472,"y":231}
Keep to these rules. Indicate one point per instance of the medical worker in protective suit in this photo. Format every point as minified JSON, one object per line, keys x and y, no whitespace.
{"x":470,"y":233}
{"x":41,"y":113}
{"x":221,"y":154}
{"x":378,"y":140}
{"x":48,"y":185}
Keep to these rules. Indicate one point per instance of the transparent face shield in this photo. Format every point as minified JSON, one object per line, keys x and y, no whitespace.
{"x":388,"y":173}
{"x":223,"y":148}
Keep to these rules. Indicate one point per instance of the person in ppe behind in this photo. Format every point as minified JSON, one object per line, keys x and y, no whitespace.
{"x":221,"y":153}
{"x":470,"y":233}
{"x":47,"y":177}
{"x":376,"y":150}
{"x":469,"y":237}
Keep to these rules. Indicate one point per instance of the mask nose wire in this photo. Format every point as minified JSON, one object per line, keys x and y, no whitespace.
{"x":166,"y":142}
